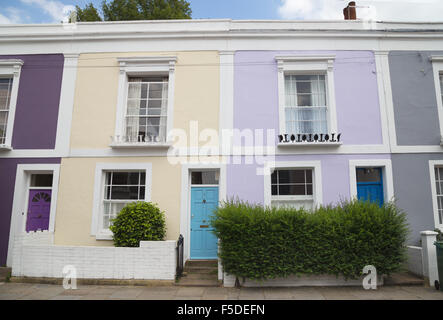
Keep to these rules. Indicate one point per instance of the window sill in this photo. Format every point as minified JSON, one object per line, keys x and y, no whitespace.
{"x":4,"y":147}
{"x":141,"y":145}
{"x":309,"y":144}
{"x":103,"y":236}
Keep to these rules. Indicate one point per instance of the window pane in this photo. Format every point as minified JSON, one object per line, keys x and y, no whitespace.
{"x":292,"y":190}
{"x":205,"y":177}
{"x":291,"y":176}
{"x":125,"y":178}
{"x":368,"y":174}
{"x":41,"y":180}
{"x":124,"y":193}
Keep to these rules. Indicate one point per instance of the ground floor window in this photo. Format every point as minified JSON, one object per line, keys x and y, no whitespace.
{"x":120,"y":189}
{"x":438,"y":171}
{"x":292,"y":188}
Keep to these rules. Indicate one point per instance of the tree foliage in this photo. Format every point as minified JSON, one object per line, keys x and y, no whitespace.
{"x":88,"y":13}
{"x":127,"y":10}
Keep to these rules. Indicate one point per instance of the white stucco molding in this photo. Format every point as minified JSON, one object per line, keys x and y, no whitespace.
{"x":11,"y":68}
{"x":437,"y":69}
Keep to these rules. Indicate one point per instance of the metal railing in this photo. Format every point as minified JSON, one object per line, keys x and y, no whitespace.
{"x":180,"y":258}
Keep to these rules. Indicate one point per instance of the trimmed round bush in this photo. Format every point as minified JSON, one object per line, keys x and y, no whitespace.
{"x":138,"y":221}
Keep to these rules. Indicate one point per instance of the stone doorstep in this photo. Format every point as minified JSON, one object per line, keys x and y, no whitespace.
{"x":404,"y":279}
{"x":110,"y":282}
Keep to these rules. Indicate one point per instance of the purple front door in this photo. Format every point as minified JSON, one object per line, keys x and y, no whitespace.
{"x":38,"y":210}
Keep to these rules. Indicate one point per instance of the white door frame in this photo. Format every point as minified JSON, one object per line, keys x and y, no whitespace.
{"x":185,"y":216}
{"x":20,"y":201}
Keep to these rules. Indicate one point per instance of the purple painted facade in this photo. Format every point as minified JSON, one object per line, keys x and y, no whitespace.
{"x":35,"y":127}
{"x":38,"y":100}
{"x":8,"y":170}
{"x":356,"y":93}
{"x":256,"y":107}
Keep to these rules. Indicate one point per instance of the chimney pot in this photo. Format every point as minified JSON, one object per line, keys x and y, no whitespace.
{"x":350,"y":12}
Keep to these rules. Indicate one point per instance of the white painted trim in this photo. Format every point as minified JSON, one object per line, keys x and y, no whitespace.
{"x":142,"y":66}
{"x":96,"y":229}
{"x":21,"y":194}
{"x":432,"y":165}
{"x":388,"y":182}
{"x":317,"y":178}
{"x":11,"y":67}
{"x":382,"y":97}
{"x":185,"y":216}
{"x":307,"y":64}
{"x":66,"y":107}
{"x":227,"y":87}
{"x":386,"y":100}
{"x":437,"y":68}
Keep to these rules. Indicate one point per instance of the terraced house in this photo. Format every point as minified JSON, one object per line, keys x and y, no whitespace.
{"x":189,"y":113}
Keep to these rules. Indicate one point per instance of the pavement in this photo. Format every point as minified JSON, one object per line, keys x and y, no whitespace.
{"x":28,"y":291}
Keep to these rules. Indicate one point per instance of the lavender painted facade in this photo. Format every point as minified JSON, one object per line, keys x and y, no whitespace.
{"x":356,"y":93}
{"x":35,"y":127}
{"x":256,"y":106}
{"x":38,"y":101}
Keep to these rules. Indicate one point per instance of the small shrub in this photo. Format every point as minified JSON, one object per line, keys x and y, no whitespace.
{"x":264,"y":243}
{"x":138,"y":221}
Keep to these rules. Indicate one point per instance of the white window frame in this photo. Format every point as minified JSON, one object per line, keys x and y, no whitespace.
{"x":388,"y":181}
{"x":432,"y":165}
{"x":143,"y":67}
{"x":315,"y":166}
{"x":100,"y":175}
{"x":307,"y":65}
{"x":11,"y":68}
{"x":437,"y":68}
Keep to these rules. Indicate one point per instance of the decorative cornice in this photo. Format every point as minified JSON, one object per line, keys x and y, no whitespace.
{"x":14,"y":64}
{"x":168,"y":61}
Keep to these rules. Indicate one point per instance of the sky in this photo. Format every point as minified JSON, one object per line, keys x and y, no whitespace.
{"x":55,"y":11}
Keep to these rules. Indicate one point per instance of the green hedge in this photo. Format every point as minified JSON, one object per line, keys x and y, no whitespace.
{"x":138,"y":221}
{"x":263,"y":243}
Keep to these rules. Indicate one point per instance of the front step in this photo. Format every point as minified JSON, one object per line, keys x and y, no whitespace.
{"x":403,"y":279}
{"x":4,"y":273}
{"x":200,"y":273}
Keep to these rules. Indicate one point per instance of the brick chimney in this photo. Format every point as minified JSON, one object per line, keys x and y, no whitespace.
{"x":350,"y":12}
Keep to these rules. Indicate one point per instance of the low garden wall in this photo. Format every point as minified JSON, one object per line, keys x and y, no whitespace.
{"x":36,"y":256}
{"x":415,"y":260}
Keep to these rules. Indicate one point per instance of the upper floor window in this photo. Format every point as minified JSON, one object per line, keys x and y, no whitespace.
{"x":5,"y":100}
{"x":305,"y":104}
{"x":146,"y":114}
{"x":10,"y":70}
{"x":145,"y":102}
{"x":306,"y":95}
{"x":437,"y":68}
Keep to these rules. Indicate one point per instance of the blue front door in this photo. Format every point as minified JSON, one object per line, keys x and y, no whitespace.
{"x":203,"y":241}
{"x":370,"y":185}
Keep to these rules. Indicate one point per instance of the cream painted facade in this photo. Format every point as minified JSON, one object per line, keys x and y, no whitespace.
{"x":196,"y":95}
{"x":196,"y":98}
{"x":76,"y":197}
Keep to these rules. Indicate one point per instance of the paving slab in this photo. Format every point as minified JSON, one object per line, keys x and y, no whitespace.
{"x":186,"y":292}
{"x":126,"y":294}
{"x":251,"y":294}
{"x":306,"y":294}
{"x":278,"y":293}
